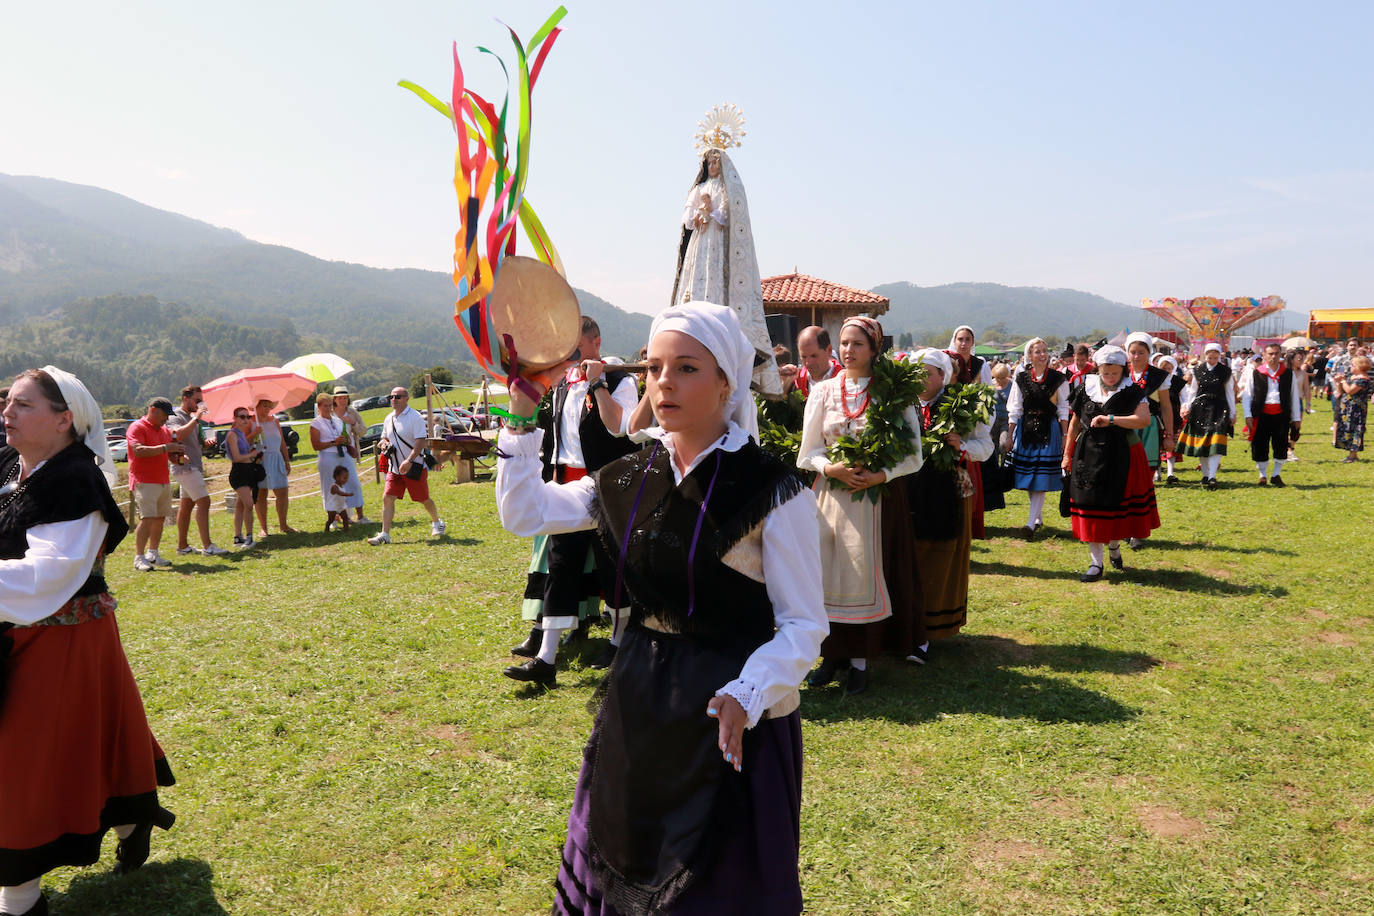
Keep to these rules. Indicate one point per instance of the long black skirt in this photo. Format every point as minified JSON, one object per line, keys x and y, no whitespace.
{"x":753,"y":871}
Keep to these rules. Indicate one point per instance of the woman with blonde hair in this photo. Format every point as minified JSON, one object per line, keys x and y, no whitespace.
{"x":333,"y":442}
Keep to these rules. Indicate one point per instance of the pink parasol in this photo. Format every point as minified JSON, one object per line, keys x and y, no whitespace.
{"x":248,"y":386}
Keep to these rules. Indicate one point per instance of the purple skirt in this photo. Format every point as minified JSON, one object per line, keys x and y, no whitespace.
{"x":755,"y":870}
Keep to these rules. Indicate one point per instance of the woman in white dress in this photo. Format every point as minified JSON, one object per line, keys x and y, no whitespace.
{"x":332,"y":440}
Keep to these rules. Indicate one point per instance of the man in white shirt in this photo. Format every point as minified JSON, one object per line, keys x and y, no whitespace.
{"x":1273,"y":411}
{"x":403,"y":440}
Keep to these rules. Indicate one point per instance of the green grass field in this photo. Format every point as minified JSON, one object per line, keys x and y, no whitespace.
{"x":1191,"y":736}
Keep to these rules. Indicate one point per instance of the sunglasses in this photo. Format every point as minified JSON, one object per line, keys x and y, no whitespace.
{"x":243,"y":416}
{"x":398,"y":397}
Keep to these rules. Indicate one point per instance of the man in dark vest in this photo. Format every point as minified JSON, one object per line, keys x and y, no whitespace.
{"x":1273,"y":409}
{"x":583,"y":431}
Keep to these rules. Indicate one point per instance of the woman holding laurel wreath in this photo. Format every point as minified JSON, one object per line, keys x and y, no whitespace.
{"x":689,"y":797}
{"x":955,"y":436}
{"x":858,"y":531}
{"x":1111,"y":487}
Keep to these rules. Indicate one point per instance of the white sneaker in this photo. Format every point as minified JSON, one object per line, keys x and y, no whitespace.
{"x":153,"y":558}
{"x":363,"y":520}
{"x":142,"y":565}
{"x":213,"y":551}
{"x":438,"y":528}
{"x":247,"y":542}
{"x":186,"y":551}
{"x":379,"y":539}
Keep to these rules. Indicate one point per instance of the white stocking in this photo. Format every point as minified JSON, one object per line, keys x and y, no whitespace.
{"x":1278,"y":466}
{"x":548,"y":648}
{"x":1095,"y":553}
{"x":20,"y":898}
{"x":1037,"y":505}
{"x":618,"y":618}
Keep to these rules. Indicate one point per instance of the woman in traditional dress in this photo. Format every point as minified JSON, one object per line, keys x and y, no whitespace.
{"x":1354,"y":408}
{"x":716,"y":260}
{"x":689,"y":797}
{"x":1158,"y":437}
{"x":1111,"y":493}
{"x":1173,"y":403}
{"x":988,"y":495}
{"x":1208,"y":407}
{"x":856,"y":533}
{"x":1038,"y":419}
{"x":941,"y":503}
{"x":76,"y":755}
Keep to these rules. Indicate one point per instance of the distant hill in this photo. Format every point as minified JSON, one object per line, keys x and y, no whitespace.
{"x":60,"y":242}
{"x":1014,"y":312}
{"x":1021,"y":310}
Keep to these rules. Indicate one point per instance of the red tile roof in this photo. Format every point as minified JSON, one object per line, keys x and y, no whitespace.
{"x":799,"y":289}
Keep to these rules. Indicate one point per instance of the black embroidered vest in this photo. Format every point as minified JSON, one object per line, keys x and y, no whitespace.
{"x":1038,"y":411}
{"x":659,"y":571}
{"x":1259,"y":392}
{"x":599,"y":445}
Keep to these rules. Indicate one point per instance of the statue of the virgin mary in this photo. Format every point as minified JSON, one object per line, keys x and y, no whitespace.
{"x":716,"y":260}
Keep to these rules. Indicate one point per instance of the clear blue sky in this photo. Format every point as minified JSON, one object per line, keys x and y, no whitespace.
{"x":1127,"y":149}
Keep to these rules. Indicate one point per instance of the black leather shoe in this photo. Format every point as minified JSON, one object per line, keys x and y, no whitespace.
{"x":1171,"y":480}
{"x":534,"y":671}
{"x":857,"y":682}
{"x":1263,"y":482}
{"x":132,"y":851}
{"x":530,"y":647}
{"x":1093,"y":574}
{"x":1115,"y":560}
{"x":824,"y":674}
{"x":603,"y":661}
{"x":1277,"y":481}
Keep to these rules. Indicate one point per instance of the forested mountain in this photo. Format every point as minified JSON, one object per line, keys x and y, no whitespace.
{"x":130,"y":349}
{"x":61,"y":241}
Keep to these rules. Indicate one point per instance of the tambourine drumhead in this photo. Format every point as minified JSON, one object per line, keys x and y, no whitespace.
{"x":534,"y":305}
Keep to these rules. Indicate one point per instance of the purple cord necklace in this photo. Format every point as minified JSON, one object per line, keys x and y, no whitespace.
{"x":691,"y":552}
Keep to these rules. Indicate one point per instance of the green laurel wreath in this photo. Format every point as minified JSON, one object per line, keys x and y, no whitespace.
{"x":962,"y":408}
{"x":886,"y":438}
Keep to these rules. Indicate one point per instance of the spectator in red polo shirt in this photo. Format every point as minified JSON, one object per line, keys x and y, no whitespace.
{"x":150,"y":483}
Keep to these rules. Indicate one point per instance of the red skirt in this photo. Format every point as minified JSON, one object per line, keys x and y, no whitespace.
{"x":1137,"y":515}
{"x":76,"y":754}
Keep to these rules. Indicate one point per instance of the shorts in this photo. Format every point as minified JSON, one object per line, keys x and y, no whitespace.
{"x":192,"y":483}
{"x":399,"y":485}
{"x":154,"y":500}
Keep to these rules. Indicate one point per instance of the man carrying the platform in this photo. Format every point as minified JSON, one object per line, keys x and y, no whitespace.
{"x":817,"y":363}
{"x":1273,"y":409}
{"x":584,"y":430}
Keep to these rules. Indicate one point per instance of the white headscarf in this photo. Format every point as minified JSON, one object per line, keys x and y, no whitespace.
{"x":1213,"y":346}
{"x":937,"y":358}
{"x":1166,"y":358}
{"x":1025,"y":351}
{"x":1140,"y":337}
{"x":85,"y":419}
{"x":717,"y":328}
{"x":962,"y":327}
{"x":1111,"y":356}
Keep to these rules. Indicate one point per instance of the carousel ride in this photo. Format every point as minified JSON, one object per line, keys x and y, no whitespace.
{"x":1210,"y":320}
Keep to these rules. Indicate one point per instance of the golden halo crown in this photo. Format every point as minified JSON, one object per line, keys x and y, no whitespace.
{"x":722,"y":128}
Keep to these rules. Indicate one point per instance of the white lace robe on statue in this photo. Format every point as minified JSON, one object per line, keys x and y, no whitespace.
{"x":719,"y":264}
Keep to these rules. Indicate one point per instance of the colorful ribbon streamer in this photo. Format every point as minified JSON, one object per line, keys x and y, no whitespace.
{"x":485,"y":179}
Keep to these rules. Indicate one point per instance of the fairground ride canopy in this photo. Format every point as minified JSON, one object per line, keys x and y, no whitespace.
{"x":1208,"y":318}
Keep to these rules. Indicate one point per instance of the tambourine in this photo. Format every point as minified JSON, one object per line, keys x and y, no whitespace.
{"x":533,"y":306}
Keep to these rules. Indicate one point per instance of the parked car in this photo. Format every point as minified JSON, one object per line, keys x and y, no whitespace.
{"x":371,"y":437}
{"x":219,"y":450}
{"x":119,"y":448}
{"x":372,"y":403}
{"x":460,"y":419}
